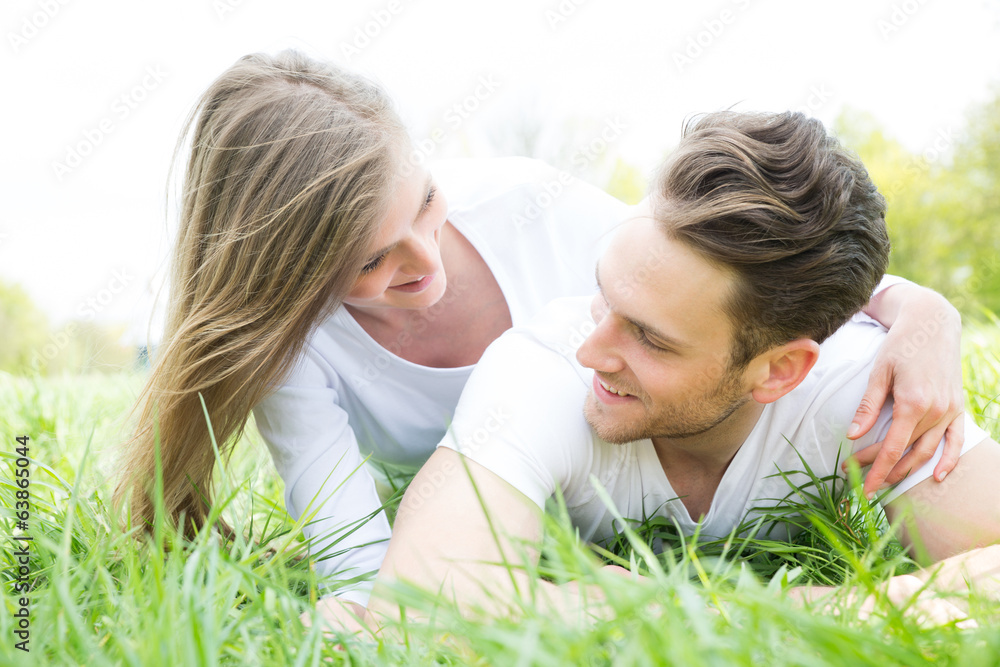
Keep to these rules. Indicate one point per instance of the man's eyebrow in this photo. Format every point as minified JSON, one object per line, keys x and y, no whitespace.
{"x":639,"y":324}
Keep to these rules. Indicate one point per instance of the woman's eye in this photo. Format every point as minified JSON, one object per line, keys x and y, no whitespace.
{"x":372,"y":265}
{"x":430,"y":197}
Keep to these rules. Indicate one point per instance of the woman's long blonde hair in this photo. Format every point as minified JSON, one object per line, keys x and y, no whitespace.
{"x":293,"y":164}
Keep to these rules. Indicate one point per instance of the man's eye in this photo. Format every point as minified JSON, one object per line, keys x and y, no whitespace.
{"x":598,"y":308}
{"x":646,"y":342}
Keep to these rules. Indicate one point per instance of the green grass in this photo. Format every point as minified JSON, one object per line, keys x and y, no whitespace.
{"x":99,"y":599}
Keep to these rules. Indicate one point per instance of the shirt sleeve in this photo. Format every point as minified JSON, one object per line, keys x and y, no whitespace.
{"x":832,"y":392}
{"x":520,"y":417}
{"x":317,"y":455}
{"x":845,"y":383}
{"x":888,"y":281}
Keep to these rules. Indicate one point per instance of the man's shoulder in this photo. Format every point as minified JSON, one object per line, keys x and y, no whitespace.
{"x":822,"y":407}
{"x":531,"y":373}
{"x":553,"y":334}
{"x":521,"y":412}
{"x":852,"y":346}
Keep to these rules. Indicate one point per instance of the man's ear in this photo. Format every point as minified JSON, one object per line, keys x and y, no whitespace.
{"x":784,"y":367}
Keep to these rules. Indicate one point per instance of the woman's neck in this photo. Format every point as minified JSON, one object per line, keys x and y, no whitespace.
{"x":456,"y":330}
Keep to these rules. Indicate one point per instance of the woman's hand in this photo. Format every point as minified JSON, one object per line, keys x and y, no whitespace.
{"x":934,"y":595}
{"x":905,"y":591}
{"x":920,"y":365}
{"x":341,"y":616}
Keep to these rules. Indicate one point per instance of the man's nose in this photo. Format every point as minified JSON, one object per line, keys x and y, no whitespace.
{"x":599,"y":350}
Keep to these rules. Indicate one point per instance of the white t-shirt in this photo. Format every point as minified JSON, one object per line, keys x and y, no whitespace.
{"x":540,"y":231}
{"x":521,"y":417}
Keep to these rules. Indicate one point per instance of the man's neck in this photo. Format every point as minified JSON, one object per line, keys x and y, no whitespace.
{"x":709,"y":453}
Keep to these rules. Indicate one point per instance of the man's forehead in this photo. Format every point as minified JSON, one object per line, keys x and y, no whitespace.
{"x":653,"y":278}
{"x":644,"y":209}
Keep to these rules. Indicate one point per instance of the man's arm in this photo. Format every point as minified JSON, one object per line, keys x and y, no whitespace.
{"x":464,"y":532}
{"x":941,"y":519}
{"x":920,"y":365}
{"x":506,"y":451}
{"x":456,"y":526}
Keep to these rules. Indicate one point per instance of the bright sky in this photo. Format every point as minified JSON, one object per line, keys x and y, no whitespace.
{"x":97,"y":93}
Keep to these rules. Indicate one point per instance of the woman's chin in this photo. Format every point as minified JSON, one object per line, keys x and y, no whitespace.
{"x":434,"y":295}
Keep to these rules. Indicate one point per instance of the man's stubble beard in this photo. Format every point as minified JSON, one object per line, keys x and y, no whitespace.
{"x":691,"y":418}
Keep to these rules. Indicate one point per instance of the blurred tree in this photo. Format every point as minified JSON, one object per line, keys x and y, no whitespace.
{"x":27,"y":345}
{"x":520,"y":130}
{"x":97,"y":348}
{"x":626,"y":183}
{"x":583,"y":146}
{"x":943,"y":204}
{"x":23,"y":329}
{"x":976,"y":195}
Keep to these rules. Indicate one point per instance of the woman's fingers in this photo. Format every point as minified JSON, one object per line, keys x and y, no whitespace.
{"x":954,"y":438}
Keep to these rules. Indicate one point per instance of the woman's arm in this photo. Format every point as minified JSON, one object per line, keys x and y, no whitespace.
{"x":937,"y":593}
{"x":341,"y":616}
{"x":920,"y":366}
{"x":327,"y":487}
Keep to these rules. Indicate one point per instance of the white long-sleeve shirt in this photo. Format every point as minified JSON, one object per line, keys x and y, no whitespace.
{"x":540,"y":232}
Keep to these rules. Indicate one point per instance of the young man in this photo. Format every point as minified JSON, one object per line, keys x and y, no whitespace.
{"x":721,"y":348}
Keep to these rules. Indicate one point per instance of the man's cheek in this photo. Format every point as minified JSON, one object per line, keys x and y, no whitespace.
{"x":707,"y":378}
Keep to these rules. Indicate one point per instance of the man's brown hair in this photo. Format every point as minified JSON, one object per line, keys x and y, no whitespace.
{"x":779,"y":203}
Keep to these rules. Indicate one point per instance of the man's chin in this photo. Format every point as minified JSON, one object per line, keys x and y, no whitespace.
{"x":606,"y":429}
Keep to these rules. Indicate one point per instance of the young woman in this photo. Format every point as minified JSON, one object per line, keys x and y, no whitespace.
{"x":321,"y":280}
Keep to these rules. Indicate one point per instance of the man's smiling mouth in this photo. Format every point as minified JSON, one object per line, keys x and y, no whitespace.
{"x":612,"y":389}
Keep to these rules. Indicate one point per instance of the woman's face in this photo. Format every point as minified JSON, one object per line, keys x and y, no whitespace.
{"x":407,"y":271}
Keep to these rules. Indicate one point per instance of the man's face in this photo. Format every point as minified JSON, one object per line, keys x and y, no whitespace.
{"x":661,"y":337}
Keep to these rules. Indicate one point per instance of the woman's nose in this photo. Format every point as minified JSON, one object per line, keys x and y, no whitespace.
{"x":423,"y":256}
